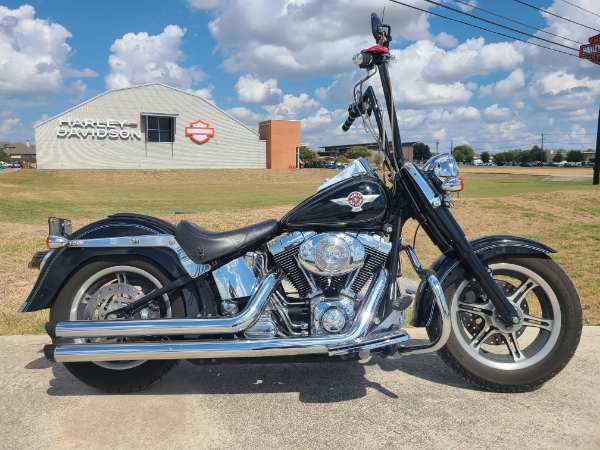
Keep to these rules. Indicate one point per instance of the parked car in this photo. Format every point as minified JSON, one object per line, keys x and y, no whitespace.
{"x":527,"y":164}
{"x":589,"y":164}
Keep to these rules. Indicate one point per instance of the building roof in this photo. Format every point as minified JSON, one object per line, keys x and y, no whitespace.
{"x":17,"y":148}
{"x":334,"y":149}
{"x":141,"y":86}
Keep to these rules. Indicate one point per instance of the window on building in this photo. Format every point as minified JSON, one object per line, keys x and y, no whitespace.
{"x":159,"y":129}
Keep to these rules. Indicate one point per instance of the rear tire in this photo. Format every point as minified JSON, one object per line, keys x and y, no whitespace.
{"x":481,"y":351}
{"x":70,"y":305}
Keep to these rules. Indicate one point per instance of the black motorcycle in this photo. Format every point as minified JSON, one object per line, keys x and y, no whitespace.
{"x":131,"y":295}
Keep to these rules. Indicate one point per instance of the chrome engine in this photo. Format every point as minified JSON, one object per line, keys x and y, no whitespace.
{"x":326,"y":276}
{"x":329,"y":271}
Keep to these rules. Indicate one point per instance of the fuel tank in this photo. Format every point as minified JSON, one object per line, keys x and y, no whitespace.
{"x":359,"y":201}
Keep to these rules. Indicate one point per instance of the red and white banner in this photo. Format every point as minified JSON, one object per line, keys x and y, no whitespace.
{"x":199,"y":131}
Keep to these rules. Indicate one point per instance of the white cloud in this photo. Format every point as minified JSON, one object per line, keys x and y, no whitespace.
{"x":78,"y":89}
{"x":9,"y":120}
{"x":141,"y":58}
{"x":446,"y":40}
{"x":303,"y":38}
{"x":461,"y":114}
{"x":563,"y":91}
{"x":504,"y":88}
{"x":497,"y":114}
{"x":291,"y":106}
{"x":319,"y":121}
{"x":203,"y":4}
{"x":473,"y":57}
{"x":252,"y":90}
{"x":246,"y":116}
{"x":33,"y":53}
{"x":40,"y":120}
{"x":205,"y":93}
{"x":412,"y":90}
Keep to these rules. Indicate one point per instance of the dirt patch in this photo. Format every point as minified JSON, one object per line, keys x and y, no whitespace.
{"x":582,"y":178}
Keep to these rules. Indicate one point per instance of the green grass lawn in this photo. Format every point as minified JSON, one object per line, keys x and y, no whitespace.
{"x":30,"y":196}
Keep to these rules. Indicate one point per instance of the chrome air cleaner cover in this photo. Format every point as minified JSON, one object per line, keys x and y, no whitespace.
{"x":331,"y":254}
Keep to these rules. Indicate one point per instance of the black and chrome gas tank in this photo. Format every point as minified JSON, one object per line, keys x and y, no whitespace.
{"x":354,"y":198}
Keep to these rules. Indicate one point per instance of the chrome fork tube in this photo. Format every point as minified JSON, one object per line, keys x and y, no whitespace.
{"x":172,"y":327}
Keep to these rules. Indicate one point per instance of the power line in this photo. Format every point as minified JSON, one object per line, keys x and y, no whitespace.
{"x":499,"y":25}
{"x":555,"y":15}
{"x":482,"y":28}
{"x":515,"y":21}
{"x":576,"y":6}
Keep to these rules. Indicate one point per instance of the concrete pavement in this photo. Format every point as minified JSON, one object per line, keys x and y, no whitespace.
{"x":415,"y":402}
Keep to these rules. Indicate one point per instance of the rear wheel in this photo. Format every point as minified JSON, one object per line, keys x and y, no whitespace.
{"x":487,"y":353}
{"x":101,"y":287}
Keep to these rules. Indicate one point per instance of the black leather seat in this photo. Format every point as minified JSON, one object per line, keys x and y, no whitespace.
{"x":202,"y":245}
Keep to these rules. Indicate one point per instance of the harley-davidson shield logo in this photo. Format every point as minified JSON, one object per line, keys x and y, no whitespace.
{"x":199,"y":132}
{"x":591,"y":51}
{"x":355,"y":200}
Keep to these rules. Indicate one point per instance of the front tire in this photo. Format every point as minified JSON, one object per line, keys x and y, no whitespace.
{"x":484,"y":352}
{"x":90,"y":283}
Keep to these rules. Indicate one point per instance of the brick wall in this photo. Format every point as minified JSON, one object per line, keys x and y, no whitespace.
{"x":282,"y":136}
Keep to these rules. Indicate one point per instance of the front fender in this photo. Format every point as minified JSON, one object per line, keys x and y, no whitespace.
{"x":486,"y":247}
{"x":65,"y":260}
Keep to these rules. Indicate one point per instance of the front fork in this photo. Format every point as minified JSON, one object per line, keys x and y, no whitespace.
{"x":446,"y":232}
{"x":460,"y":244}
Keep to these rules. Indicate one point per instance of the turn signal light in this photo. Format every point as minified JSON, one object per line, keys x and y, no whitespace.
{"x":462,"y":184}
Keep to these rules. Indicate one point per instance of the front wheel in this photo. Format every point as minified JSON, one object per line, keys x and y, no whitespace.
{"x":485,"y":352}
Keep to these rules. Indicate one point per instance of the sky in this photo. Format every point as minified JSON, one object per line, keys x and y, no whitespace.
{"x":292,"y":59}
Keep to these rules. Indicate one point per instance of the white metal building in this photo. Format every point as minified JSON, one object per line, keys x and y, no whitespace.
{"x":147,"y":126}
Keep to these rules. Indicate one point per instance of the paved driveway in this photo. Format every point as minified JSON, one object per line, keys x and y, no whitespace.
{"x":415,"y":402}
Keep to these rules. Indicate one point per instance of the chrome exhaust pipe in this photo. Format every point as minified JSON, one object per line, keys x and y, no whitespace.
{"x":172,"y":327}
{"x":225,"y":349}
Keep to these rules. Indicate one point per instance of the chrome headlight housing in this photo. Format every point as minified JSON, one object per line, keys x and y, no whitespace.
{"x":442,"y":166}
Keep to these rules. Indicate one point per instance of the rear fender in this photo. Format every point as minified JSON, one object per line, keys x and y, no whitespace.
{"x":64,"y":261}
{"x":448,"y":265}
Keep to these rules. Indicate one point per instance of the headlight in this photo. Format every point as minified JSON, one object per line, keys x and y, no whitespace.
{"x":442,"y":166}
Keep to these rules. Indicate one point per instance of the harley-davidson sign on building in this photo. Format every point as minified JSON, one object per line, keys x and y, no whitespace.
{"x":148,"y":126}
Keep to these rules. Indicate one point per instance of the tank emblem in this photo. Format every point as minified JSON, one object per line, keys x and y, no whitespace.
{"x":355,"y":200}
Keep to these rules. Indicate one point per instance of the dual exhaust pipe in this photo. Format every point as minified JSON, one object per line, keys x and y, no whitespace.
{"x":356,"y":339}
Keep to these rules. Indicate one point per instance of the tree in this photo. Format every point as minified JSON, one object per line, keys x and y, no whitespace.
{"x":485,"y":157}
{"x":526,"y":156}
{"x":558,"y":156}
{"x":4,"y":157}
{"x":306,"y":154}
{"x":575,"y":156}
{"x":464,"y":153}
{"x":358,"y":152}
{"x":537,"y":154}
{"x":421,"y":152}
{"x":342,"y":159}
{"x":500,"y":158}
{"x":377,"y":159}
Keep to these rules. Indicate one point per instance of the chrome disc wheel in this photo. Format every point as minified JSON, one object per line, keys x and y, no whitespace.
{"x":113,"y":288}
{"x":486,"y":339}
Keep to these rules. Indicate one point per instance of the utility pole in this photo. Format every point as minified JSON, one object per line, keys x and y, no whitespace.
{"x":596,"y":179}
{"x":451,"y":147}
{"x":543,"y":154}
{"x":437,"y":144}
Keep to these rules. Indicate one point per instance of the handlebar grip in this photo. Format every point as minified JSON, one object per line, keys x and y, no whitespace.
{"x":353,"y":114}
{"x":348,"y":123}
